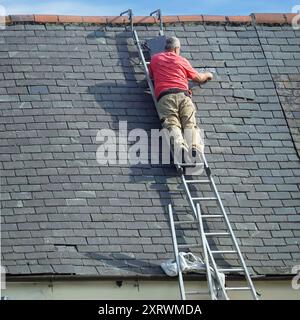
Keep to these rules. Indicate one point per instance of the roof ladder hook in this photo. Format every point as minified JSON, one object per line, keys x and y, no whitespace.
{"x":158,"y":15}
{"x":130,"y":17}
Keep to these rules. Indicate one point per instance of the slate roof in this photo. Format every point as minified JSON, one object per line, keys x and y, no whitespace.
{"x":63,"y":213}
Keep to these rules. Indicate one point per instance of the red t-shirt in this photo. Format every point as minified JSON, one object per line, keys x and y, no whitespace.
{"x":169,"y":70}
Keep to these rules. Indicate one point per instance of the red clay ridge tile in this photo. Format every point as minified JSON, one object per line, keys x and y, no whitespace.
{"x":170,"y":19}
{"x":117,"y":19}
{"x":70,"y":19}
{"x":259,"y":18}
{"x":7,"y":19}
{"x":144,"y":19}
{"x":94,"y":19}
{"x":209,"y":18}
{"x":190,"y":18}
{"x":269,"y":18}
{"x":22,"y":18}
{"x":291,"y":16}
{"x":239,"y":19}
{"x":47,"y":18}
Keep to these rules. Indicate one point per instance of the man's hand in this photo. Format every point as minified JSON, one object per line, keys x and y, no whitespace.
{"x":209,"y":76}
{"x":203,"y":77}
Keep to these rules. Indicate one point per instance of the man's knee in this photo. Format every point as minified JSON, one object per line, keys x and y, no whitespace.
{"x":175,"y":135}
{"x":170,"y":122}
{"x":191,"y":125}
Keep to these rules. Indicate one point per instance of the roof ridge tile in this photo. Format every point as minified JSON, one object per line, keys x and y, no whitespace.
{"x":269,"y":18}
{"x":258,"y":18}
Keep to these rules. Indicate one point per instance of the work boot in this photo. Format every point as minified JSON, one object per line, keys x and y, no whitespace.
{"x":180,"y":153}
{"x":196,"y":154}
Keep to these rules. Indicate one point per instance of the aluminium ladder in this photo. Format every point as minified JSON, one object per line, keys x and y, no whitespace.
{"x":216,"y":287}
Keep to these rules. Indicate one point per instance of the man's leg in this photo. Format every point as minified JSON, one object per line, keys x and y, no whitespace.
{"x":187,"y":113}
{"x":168,"y":111}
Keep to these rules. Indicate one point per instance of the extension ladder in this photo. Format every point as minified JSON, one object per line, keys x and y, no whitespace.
{"x":214,"y":282}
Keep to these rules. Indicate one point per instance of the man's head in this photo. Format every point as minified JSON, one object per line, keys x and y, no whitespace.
{"x":173,"y":45}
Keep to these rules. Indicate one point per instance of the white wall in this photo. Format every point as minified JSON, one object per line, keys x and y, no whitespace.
{"x":142,"y":289}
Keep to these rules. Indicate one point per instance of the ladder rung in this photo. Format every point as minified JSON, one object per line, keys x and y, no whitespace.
{"x":212,"y":216}
{"x":223,"y":251}
{"x":231,"y":270}
{"x":147,"y":62}
{"x":216,"y":234}
{"x":205,"y":198}
{"x":192,"y":245}
{"x":237,"y":288}
{"x":197,"y":181}
{"x":197,"y":292}
{"x":190,"y":164}
{"x":185,"y":221}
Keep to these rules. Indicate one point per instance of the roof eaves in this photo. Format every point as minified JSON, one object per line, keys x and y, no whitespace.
{"x":162,"y":277}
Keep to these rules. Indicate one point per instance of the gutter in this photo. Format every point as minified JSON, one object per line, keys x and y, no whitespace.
{"x":74,"y":277}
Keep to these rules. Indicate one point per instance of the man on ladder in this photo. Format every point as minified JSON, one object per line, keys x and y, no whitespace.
{"x":176,"y":110}
{"x":170,"y":73}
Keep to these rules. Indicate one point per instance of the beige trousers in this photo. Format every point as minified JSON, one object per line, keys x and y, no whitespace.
{"x":177,"y":114}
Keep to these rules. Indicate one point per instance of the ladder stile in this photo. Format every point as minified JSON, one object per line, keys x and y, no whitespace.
{"x":249,"y":280}
{"x":175,"y":247}
{"x":215,"y":268}
{"x":206,"y":261}
{"x":188,"y":193}
{"x":150,"y":84}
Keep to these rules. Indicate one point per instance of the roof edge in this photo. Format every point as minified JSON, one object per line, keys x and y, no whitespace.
{"x":254,"y":18}
{"x":161,"y":277}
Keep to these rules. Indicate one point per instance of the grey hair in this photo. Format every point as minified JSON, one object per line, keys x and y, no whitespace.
{"x":172,"y":43}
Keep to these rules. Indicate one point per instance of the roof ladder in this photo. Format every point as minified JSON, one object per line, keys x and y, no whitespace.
{"x":216,"y":287}
{"x":159,"y":18}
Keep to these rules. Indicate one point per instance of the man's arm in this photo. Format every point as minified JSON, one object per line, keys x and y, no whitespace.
{"x":194,"y":75}
{"x":150,"y":71}
{"x":203,"y":77}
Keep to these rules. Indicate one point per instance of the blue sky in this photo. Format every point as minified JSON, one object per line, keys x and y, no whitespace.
{"x":144,"y":7}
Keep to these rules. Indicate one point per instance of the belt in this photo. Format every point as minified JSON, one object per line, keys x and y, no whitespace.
{"x":173,"y":90}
